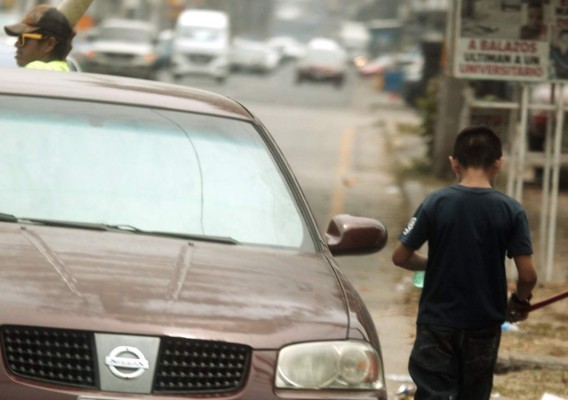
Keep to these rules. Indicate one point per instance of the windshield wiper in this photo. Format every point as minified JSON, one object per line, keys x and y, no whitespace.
{"x":66,"y":224}
{"x":8,"y":218}
{"x":114,"y":228}
{"x":49,"y":222}
{"x":188,"y":236}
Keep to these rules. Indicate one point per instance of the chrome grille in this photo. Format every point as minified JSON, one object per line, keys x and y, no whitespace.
{"x":198,"y":366}
{"x":67,"y":357}
{"x":200,"y":58}
{"x":117,"y":57}
{"x":53,"y":355}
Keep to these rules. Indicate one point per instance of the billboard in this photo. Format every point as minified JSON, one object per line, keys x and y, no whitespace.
{"x":517,"y":40}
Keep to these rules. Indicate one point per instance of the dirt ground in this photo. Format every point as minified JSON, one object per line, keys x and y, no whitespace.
{"x":542,"y":338}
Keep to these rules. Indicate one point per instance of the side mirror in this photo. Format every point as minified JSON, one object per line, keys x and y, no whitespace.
{"x":347,"y":234}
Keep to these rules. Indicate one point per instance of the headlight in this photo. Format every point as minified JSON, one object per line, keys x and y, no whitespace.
{"x":348,"y":365}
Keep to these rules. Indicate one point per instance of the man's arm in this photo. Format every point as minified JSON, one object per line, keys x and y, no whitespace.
{"x":407,"y":258}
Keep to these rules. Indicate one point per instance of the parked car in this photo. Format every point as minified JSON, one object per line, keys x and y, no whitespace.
{"x":288,"y":47}
{"x":325,"y":43}
{"x":253,"y":56}
{"x":201,"y":44}
{"x":326,"y":64}
{"x":122,"y":47}
{"x":155,"y":244}
{"x":377,"y":66}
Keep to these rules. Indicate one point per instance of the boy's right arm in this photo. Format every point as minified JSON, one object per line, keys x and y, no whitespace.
{"x":526,"y":281}
{"x":527,"y":278}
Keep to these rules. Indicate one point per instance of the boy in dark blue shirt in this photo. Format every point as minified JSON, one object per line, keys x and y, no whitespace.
{"x":470,"y":227}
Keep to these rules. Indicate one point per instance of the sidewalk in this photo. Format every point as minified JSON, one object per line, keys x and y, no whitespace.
{"x":533,"y":358}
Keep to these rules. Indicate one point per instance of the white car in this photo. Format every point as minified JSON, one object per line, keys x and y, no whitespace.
{"x":122,"y":47}
{"x":201,"y":44}
{"x":253,"y":56}
{"x":288,"y":47}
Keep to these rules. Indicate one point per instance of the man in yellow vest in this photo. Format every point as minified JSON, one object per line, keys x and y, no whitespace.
{"x":44,"y":39}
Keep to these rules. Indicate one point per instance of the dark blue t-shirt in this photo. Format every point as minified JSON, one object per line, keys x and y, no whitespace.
{"x":469,"y":232}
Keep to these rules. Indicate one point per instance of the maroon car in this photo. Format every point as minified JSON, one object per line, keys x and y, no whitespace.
{"x":154,"y":244}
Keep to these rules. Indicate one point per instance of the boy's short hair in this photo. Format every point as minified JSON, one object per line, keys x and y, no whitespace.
{"x":477,"y":147}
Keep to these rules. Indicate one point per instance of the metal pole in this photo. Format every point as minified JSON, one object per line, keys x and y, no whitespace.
{"x":522,"y":142}
{"x":465,"y":117}
{"x":513,"y":154}
{"x":555,"y":183}
{"x":546,"y":182}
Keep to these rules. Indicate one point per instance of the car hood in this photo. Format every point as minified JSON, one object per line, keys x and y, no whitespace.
{"x":129,"y":283}
{"x":323,"y":65}
{"x":118,"y":47}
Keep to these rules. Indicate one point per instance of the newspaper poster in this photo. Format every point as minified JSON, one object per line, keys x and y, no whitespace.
{"x":559,"y":42}
{"x":517,"y":40}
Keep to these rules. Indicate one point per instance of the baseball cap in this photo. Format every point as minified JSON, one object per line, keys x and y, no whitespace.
{"x":42,"y":18}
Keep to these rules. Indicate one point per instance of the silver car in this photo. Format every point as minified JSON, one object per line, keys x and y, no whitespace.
{"x":122,"y":47}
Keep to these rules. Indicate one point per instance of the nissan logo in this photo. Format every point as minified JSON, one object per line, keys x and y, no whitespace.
{"x":126,"y":362}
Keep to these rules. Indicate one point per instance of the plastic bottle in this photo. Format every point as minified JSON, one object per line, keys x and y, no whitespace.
{"x":418,"y":279}
{"x":506,"y":326}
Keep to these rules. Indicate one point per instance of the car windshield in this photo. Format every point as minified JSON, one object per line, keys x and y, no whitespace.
{"x":200,"y":34}
{"x":324,"y":56}
{"x":130,"y":35}
{"x":155,"y":170}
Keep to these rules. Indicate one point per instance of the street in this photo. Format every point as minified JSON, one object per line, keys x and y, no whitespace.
{"x":335,"y":141}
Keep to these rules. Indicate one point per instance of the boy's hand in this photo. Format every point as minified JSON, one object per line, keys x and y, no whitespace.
{"x":517,"y":310}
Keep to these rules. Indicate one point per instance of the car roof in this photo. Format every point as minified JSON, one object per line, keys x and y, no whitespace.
{"x":203,"y":18}
{"x":119,"y":90}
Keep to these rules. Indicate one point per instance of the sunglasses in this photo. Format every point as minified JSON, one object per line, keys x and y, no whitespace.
{"x":26,"y":36}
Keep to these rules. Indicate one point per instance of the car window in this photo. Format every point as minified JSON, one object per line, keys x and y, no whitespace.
{"x":153,"y":169}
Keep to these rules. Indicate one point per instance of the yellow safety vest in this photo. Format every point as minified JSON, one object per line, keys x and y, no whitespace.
{"x":49,"y":66}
